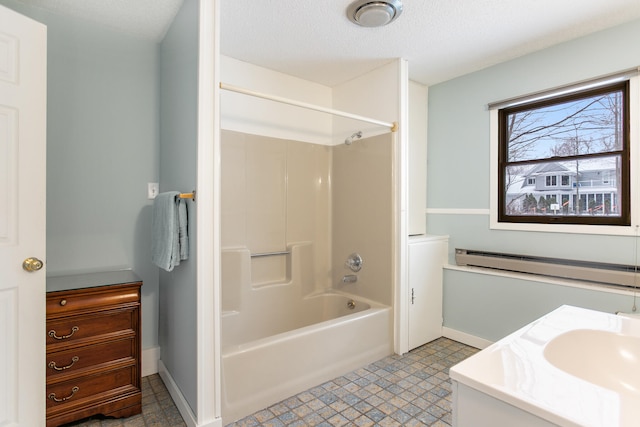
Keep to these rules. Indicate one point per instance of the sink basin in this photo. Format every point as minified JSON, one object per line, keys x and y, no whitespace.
{"x":604,"y":358}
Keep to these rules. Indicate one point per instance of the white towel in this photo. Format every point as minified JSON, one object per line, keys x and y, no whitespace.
{"x":169,"y":231}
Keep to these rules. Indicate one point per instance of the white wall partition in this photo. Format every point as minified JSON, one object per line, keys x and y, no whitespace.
{"x":178,"y":146}
{"x":383,"y":93}
{"x":375,"y":94}
{"x":417,"y":165}
{"x":244,"y":113}
{"x":189,"y":159}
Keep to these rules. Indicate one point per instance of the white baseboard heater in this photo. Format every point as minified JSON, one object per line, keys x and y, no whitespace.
{"x":588,"y":271}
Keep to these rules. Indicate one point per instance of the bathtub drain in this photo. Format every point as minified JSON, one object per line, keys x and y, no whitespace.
{"x":351,"y":304}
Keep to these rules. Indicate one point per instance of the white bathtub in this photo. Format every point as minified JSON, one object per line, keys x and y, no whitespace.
{"x":295,"y":346}
{"x":572,"y":367}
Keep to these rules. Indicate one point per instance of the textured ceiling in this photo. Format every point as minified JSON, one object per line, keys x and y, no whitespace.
{"x":441,"y":39}
{"x":314,"y":40}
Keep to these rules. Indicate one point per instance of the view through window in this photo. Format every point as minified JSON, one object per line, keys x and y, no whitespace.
{"x":566,"y":159}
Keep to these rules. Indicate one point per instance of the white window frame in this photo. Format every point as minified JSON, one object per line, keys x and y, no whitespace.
{"x":634,"y":176}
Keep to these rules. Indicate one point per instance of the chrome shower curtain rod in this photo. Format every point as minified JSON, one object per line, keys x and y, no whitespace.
{"x":392,"y":126}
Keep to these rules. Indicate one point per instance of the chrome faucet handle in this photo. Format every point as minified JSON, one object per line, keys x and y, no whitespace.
{"x":354,"y":262}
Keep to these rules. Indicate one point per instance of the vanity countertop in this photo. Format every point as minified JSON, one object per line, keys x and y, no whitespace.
{"x":571,"y":367}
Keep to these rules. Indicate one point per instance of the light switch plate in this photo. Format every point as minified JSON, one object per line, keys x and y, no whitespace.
{"x":153,"y":188}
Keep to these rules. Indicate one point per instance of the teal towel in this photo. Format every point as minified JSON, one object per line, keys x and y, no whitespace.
{"x":169,"y":233}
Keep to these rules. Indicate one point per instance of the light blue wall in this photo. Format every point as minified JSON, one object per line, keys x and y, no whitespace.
{"x":491,"y":307}
{"x":102,"y":149}
{"x":178,"y":159}
{"x":458,"y":178}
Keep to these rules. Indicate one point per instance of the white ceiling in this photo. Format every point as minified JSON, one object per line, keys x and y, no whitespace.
{"x":315,"y":41}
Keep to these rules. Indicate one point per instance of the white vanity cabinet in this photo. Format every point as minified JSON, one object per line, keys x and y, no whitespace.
{"x":472,"y":408}
{"x":427,"y":257}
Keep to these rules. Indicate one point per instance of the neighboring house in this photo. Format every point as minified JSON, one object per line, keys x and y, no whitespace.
{"x":556,"y":187}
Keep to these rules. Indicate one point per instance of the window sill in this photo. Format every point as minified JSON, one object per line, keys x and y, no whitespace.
{"x":608,"y":230}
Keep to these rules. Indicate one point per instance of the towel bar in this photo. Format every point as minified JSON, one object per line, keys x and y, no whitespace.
{"x":191,"y":196}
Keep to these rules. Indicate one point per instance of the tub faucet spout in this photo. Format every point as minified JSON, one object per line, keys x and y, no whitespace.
{"x":349,"y":278}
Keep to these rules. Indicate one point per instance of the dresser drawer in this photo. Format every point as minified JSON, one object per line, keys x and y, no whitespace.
{"x":91,"y":327}
{"x":66,"y":302}
{"x":93,"y":346}
{"x":83,"y":359}
{"x":90,"y":388}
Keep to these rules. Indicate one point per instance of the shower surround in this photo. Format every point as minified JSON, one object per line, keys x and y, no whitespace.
{"x":292,"y":213}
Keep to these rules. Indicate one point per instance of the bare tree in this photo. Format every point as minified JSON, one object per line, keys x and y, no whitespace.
{"x":566,"y":130}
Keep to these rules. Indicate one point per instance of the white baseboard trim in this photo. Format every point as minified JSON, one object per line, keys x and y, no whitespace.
{"x":465,"y":338}
{"x":150,"y":358}
{"x":176,"y":395}
{"x":181,"y":403}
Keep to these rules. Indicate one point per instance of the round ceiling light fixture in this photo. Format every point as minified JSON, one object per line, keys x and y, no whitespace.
{"x":369,"y":13}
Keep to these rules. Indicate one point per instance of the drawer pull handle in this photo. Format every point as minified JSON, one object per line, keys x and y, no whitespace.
{"x":52,"y":334}
{"x":53,"y":365}
{"x":63,"y":302}
{"x":74,"y":390}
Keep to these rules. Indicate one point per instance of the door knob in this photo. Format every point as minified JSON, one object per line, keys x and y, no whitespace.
{"x":32,"y":264}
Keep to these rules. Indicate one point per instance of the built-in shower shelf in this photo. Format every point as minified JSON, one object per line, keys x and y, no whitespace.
{"x":263,"y":254}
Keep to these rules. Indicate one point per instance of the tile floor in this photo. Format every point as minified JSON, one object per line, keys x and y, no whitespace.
{"x":409,"y":390}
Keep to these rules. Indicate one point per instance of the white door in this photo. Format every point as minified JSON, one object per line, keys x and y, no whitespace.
{"x":426,"y":258}
{"x":22,"y":219}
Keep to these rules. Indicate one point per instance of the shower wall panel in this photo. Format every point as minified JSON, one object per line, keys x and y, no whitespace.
{"x":309,"y":203}
{"x":266,"y":168}
{"x":275,"y":193}
{"x":362,"y":194}
{"x":234,"y":190}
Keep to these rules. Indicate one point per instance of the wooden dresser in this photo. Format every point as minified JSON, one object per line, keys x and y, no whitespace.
{"x":93,"y":346}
